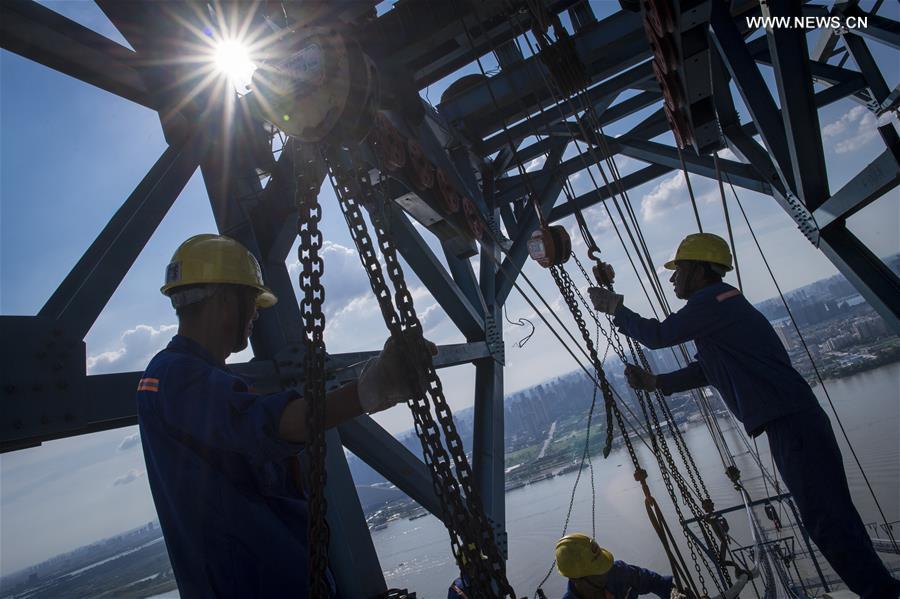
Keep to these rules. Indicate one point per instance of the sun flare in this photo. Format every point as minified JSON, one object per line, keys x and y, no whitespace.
{"x":232,"y":59}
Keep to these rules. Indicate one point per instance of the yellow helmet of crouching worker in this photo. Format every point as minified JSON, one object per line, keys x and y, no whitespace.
{"x":578,"y":555}
{"x":703,"y":247}
{"x":215,"y":259}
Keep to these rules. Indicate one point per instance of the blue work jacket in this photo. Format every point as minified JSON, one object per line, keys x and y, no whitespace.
{"x":624,"y":581}
{"x":233,"y":516}
{"x":738,"y":353}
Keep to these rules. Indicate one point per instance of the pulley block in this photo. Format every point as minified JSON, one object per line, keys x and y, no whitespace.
{"x":388,"y":143}
{"x":659,"y":14}
{"x":663,"y":49}
{"x":680,"y":129}
{"x":670,"y":87}
{"x":550,"y":246}
{"x":324,"y":87}
{"x":473,"y":219}
{"x":448,"y":193}
{"x":421,"y":169}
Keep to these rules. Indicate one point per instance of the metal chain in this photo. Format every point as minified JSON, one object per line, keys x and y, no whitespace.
{"x":312,"y":267}
{"x":471,"y":536}
{"x":668,"y":467}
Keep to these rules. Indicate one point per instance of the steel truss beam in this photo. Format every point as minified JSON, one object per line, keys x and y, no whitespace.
{"x":82,"y":295}
{"x":46,"y":37}
{"x":605,"y":48}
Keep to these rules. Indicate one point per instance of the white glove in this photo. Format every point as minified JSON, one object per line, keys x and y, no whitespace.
{"x":604,"y":300}
{"x":386,"y":380}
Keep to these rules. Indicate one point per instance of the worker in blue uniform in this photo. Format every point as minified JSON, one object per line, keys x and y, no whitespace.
{"x":740,"y":355}
{"x":221,"y":458}
{"x":594,"y":574}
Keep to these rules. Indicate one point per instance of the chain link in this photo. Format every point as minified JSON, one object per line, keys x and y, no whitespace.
{"x":471,"y":535}
{"x":312,"y":267}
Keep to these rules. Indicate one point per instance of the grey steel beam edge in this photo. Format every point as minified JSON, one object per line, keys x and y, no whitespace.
{"x":351,"y":552}
{"x":879,"y":177}
{"x":387,"y":456}
{"x":790,"y":57}
{"x":741,"y":65}
{"x":46,"y":37}
{"x":872,"y":278}
{"x":80,"y":298}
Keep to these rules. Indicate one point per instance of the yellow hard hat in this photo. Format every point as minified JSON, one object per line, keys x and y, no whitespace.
{"x":702,"y":247}
{"x":209,"y":259}
{"x":578,"y":555}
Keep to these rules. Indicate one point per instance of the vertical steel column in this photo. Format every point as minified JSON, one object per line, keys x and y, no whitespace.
{"x":351,"y":553}
{"x":488,"y":440}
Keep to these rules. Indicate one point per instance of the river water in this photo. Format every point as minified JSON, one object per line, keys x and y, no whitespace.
{"x":416,"y":555}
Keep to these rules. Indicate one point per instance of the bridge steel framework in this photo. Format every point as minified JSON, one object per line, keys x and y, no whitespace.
{"x":46,"y":392}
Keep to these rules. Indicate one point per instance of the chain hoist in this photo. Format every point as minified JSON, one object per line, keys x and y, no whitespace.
{"x":312,"y":267}
{"x":471,"y":536}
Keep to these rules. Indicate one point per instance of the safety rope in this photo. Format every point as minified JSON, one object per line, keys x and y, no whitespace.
{"x":690,"y":188}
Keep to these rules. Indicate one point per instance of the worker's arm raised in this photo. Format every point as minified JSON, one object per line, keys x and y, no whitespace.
{"x":695,"y":319}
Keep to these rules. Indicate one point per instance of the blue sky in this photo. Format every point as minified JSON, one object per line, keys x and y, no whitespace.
{"x":69,"y":156}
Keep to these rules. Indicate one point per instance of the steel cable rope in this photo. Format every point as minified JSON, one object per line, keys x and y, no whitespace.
{"x":585,"y":455}
{"x":522,"y":171}
{"x":519,"y":162}
{"x":710,"y":422}
{"x":657,"y":289}
{"x":608,"y":400}
{"x":737,"y":268}
{"x":589,"y":241}
{"x":690,"y":188}
{"x":815,"y":369}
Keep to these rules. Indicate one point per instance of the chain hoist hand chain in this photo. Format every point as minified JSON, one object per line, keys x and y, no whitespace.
{"x":470,"y":533}
{"x":312,"y":267}
{"x":668,"y":470}
{"x":565,"y":288}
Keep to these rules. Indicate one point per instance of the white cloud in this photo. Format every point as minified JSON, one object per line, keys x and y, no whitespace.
{"x":129,"y":442}
{"x":137,"y":347}
{"x":345,"y":281}
{"x":667,"y":194}
{"x":129,"y":477}
{"x":852,"y":131}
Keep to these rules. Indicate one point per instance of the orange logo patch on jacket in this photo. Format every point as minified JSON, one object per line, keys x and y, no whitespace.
{"x":148,"y":384}
{"x":727,"y":295}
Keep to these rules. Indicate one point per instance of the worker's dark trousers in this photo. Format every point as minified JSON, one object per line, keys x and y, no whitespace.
{"x":809,"y":460}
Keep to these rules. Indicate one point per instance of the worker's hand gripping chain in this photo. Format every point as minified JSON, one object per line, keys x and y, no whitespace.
{"x":471,"y":537}
{"x":312,"y":267}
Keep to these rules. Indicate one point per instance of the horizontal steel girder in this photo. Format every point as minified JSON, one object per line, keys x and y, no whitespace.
{"x":46,"y":37}
{"x":605,"y":48}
